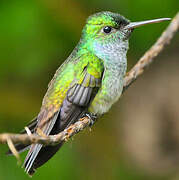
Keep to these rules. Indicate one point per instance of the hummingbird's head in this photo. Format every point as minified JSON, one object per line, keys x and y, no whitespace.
{"x":105,"y":26}
{"x":106,"y":34}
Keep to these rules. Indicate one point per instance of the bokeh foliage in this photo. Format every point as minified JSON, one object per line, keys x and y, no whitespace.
{"x":35,"y":38}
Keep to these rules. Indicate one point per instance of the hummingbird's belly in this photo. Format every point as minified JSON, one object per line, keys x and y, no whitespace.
{"x":108,"y":94}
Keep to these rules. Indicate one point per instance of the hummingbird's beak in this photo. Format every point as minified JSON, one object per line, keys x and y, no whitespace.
{"x":133,"y":25}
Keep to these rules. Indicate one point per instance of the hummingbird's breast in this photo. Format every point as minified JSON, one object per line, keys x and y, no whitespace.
{"x":114,"y":58}
{"x":111,"y":88}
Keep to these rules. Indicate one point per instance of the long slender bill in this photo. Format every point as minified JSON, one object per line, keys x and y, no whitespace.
{"x":133,"y":25}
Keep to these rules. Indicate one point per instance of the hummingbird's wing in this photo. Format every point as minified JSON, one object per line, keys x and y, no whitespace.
{"x":69,"y":95}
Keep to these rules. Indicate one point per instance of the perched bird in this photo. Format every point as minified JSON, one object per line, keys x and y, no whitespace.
{"x":89,"y":82}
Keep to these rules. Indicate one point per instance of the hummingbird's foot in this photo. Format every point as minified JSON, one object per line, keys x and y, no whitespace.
{"x":92,"y":118}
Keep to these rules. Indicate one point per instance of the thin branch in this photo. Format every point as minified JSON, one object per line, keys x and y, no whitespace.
{"x":13,"y":149}
{"x":46,"y":140}
{"x":130,"y":77}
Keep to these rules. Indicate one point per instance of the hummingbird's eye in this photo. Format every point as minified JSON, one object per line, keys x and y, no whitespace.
{"x":107,"y":29}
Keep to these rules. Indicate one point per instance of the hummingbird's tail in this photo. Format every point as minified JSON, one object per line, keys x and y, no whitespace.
{"x":38,"y":155}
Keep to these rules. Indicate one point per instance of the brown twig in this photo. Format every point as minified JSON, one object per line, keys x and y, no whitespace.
{"x":131,"y":76}
{"x":46,"y":140}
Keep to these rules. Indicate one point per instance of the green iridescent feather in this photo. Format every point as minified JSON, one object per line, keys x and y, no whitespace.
{"x":71,"y":73}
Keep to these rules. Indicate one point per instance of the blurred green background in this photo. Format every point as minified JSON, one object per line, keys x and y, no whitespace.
{"x":138,"y":139}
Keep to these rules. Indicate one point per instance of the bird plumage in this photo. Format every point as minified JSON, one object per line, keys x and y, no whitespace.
{"x":64,"y":103}
{"x":90,"y":80}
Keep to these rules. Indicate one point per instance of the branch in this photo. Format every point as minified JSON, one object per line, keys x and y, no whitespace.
{"x":130,"y":77}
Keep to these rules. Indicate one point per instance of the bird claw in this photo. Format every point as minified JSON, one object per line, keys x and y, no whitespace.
{"x":92,"y":118}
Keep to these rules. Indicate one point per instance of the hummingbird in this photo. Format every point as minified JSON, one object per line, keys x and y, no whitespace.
{"x":88,"y":83}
